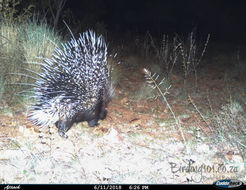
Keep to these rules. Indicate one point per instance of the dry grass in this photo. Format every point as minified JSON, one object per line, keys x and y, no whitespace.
{"x":22,"y":46}
{"x":191,"y":55}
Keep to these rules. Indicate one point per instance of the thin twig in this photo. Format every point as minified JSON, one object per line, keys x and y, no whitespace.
{"x":194,"y":105}
{"x":154,"y":85}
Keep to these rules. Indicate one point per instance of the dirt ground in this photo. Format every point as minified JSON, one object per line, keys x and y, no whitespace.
{"x":138,"y":142}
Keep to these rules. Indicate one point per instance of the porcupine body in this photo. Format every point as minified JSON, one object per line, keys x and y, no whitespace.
{"x":74,"y":85}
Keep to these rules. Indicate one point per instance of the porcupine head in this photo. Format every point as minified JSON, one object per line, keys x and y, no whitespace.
{"x":74,"y":84}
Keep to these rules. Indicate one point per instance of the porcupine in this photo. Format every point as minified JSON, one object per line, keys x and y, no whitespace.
{"x":74,"y":84}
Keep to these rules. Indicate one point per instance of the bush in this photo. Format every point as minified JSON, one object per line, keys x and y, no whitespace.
{"x":230,"y":124}
{"x":22,"y":45}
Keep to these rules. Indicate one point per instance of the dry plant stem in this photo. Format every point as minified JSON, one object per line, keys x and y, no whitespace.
{"x":209,"y":102}
{"x":189,"y":50}
{"x":166,"y":53}
{"x":194,"y":105}
{"x":153,"y":81}
{"x":195,"y":64}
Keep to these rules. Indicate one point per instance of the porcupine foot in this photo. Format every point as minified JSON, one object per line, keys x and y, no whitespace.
{"x":63,"y":127}
{"x":100,"y":114}
{"x":93,"y":123}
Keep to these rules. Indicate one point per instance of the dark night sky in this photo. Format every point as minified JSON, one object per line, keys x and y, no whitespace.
{"x":224,"y":19}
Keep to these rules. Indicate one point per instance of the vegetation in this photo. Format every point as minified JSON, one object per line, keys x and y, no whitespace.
{"x":22,"y":45}
{"x":177,"y":96}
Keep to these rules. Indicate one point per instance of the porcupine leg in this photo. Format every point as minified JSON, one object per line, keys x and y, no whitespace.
{"x":100,"y":113}
{"x":93,"y":123}
{"x":63,"y":127}
{"x":103,"y":113}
